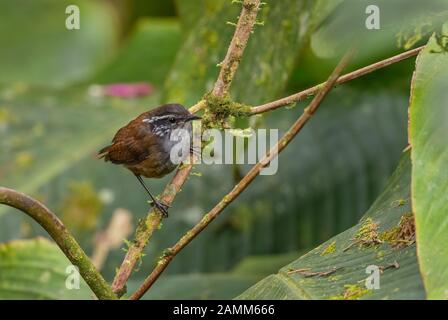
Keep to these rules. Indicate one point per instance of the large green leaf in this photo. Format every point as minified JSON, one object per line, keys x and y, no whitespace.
{"x":37,"y":269}
{"x":381,"y":242}
{"x":148,"y":55}
{"x":191,"y":11}
{"x":264,"y":264}
{"x":428,"y":136}
{"x":37,"y":48}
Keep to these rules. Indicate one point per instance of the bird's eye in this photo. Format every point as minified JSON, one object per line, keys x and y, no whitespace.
{"x":172,"y":120}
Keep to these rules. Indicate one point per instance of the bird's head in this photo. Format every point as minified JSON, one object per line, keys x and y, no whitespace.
{"x":164,"y":119}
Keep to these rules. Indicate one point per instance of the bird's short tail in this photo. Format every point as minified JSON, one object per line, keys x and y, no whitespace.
{"x":104,"y":153}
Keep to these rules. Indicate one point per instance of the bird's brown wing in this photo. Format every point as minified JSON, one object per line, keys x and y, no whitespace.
{"x":129,"y":145}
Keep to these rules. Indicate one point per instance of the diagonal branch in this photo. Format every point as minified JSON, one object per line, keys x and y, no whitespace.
{"x":343,"y":79}
{"x":55,"y":228}
{"x":228,"y":68}
{"x":296,"y":97}
{"x":244,"y":183}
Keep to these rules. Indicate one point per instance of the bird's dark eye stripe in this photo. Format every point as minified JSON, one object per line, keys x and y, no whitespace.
{"x":155,"y":119}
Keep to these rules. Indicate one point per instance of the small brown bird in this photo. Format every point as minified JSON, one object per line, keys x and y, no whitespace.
{"x":144,"y":145}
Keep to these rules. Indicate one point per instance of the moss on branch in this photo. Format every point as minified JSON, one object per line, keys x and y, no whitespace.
{"x":218,"y":110}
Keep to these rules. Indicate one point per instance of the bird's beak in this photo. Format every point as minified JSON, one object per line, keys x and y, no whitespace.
{"x":193,"y":117}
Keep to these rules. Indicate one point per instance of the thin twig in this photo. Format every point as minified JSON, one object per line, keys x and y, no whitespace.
{"x":198,"y":106}
{"x":56,"y":229}
{"x":307,"y":273}
{"x":244,"y":183}
{"x":393,"y":265}
{"x":152,"y":221}
{"x":345,"y":78}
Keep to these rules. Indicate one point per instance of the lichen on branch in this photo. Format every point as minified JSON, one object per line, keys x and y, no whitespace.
{"x":219,"y":109}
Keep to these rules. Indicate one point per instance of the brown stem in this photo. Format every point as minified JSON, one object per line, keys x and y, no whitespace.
{"x":345,"y":78}
{"x":244,"y":183}
{"x":198,"y":106}
{"x":236,"y":48}
{"x":56,"y":229}
{"x":152,"y":221}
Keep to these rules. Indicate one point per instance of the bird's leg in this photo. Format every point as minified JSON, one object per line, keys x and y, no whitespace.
{"x":163,"y":208}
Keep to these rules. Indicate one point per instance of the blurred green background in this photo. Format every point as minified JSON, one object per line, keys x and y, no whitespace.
{"x":52,"y":123}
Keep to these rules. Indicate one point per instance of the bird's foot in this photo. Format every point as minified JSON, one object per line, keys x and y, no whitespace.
{"x":162,"y":207}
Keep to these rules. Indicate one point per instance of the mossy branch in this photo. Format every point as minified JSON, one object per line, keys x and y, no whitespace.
{"x":248,"y":110}
{"x":342,"y":79}
{"x":219,"y":109}
{"x":56,"y":229}
{"x":245,"y":182}
{"x":221,"y":88}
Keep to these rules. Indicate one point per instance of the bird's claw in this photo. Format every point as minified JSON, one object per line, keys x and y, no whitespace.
{"x":162,"y":207}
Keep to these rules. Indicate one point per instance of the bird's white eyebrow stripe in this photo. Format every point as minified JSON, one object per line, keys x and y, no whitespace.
{"x":156,"y":118}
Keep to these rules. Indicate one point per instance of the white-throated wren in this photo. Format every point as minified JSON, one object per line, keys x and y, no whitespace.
{"x":144,"y":144}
